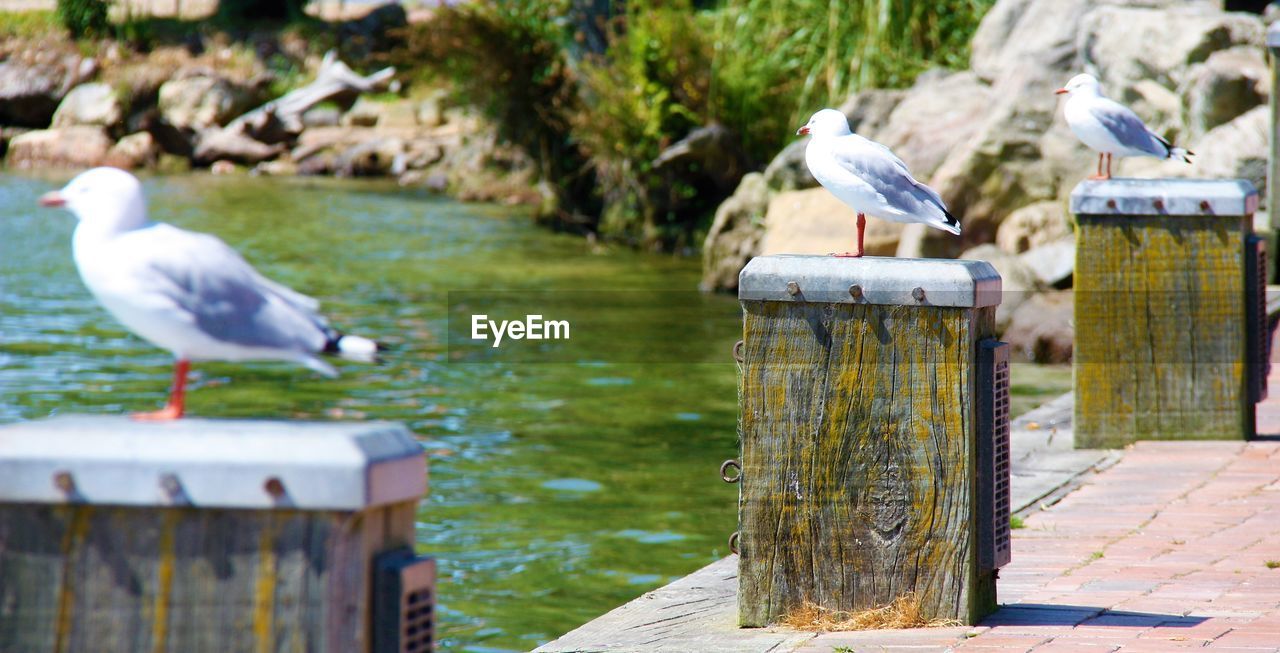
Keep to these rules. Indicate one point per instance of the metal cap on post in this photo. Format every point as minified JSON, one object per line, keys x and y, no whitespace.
{"x":870,"y":280}
{"x":1234,"y":197}
{"x":210,"y":463}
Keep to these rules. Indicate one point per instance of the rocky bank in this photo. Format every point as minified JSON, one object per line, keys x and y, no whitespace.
{"x":993,"y":142}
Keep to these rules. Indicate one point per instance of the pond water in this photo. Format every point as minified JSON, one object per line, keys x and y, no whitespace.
{"x":561,"y":485}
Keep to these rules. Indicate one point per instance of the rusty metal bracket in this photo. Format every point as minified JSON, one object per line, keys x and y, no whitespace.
{"x":724,"y":468}
{"x":737,"y":350}
{"x":733,"y":543}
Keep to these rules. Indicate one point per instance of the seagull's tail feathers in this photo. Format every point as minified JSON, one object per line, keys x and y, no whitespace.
{"x":952,"y":223}
{"x":353,"y":348}
{"x":1181,"y":153}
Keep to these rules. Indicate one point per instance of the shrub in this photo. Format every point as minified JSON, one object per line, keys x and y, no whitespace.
{"x":83,"y":17}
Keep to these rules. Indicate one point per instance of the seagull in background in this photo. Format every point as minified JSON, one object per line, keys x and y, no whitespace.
{"x":186,"y":292}
{"x":1111,"y":128}
{"x":868,"y":177}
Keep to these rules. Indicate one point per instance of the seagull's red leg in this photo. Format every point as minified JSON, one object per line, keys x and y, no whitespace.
{"x":1108,"y":175}
{"x":862,"y":227}
{"x":177,"y":396}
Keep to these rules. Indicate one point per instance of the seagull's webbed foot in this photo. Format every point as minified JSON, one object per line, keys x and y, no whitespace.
{"x":167,"y":414}
{"x":848,"y":255}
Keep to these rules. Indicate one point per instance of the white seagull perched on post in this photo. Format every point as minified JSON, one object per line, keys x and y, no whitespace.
{"x":187,"y":292}
{"x":1111,"y":128}
{"x":869,"y":177}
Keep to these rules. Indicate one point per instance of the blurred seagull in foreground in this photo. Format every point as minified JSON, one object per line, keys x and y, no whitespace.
{"x":868,"y":177}
{"x":1110,"y":127}
{"x":188,"y":292}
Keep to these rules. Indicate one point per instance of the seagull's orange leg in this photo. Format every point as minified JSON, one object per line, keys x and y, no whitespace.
{"x":1099,"y":175}
{"x":177,"y":396}
{"x":1108,"y":175}
{"x":862,"y":228}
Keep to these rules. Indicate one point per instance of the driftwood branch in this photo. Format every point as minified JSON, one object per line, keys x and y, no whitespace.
{"x":284,"y":114}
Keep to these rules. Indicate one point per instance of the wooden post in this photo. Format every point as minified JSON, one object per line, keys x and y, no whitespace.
{"x":1170,"y":343}
{"x":1273,"y":179}
{"x":864,"y":467}
{"x":198,"y":535}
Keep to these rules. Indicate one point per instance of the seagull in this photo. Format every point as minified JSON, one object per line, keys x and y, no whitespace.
{"x":869,"y":177}
{"x":1110,"y":127}
{"x":188,"y":292}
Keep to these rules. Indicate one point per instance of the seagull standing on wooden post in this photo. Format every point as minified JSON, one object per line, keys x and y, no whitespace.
{"x":1111,"y":128}
{"x":187,"y":292}
{"x":868,"y":177}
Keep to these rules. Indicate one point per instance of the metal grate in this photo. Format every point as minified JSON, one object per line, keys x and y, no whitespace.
{"x":994,"y":501}
{"x":404,"y":603}
{"x":1259,"y":346}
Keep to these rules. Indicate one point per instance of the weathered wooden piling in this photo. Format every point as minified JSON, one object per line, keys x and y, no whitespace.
{"x":874,"y":461}
{"x":1273,"y":179}
{"x":1170,"y":310}
{"x":204,"y":535}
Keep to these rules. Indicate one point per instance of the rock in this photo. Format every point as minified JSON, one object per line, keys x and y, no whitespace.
{"x":364,"y":113}
{"x":1033,"y":225}
{"x":735,"y":234}
{"x":223,"y":167}
{"x":1016,"y":32}
{"x":813,"y":221}
{"x":32,"y":87}
{"x":1125,"y":44}
{"x":277,"y":168}
{"x":1237,"y":149}
{"x":787,"y":170}
{"x":934,"y":118}
{"x":1017,"y":281}
{"x":63,"y":147}
{"x":431,"y":110}
{"x":90,"y":104}
{"x":1228,"y":84}
{"x":199,"y":102}
{"x":1042,"y":330}
{"x":1159,"y":107}
{"x":1053,"y":263}
{"x":710,"y":152}
{"x":138,"y":150}
{"x":216,"y":145}
{"x":371,"y":158}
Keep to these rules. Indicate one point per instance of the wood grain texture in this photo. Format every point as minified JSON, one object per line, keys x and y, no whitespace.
{"x":101,"y":578}
{"x":1160,"y":329}
{"x":857,"y":439}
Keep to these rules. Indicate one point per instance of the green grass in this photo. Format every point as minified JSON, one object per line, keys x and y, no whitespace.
{"x":1272,"y":564}
{"x":28,"y":24}
{"x":1032,"y":385}
{"x":1016,"y":522}
{"x":1096,"y":555}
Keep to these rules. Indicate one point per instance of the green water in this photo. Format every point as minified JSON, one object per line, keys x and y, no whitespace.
{"x":559,"y":490}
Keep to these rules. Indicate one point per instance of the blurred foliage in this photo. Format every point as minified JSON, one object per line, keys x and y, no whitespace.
{"x":28,"y":24}
{"x":83,"y":17}
{"x":597,"y":89}
{"x":246,"y":11}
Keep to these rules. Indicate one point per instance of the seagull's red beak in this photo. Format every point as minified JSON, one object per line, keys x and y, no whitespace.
{"x":52,"y":198}
{"x":803,"y":131}
{"x":1061,"y":91}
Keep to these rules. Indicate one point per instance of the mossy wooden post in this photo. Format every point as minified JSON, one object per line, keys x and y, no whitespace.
{"x":1169,"y":343}
{"x":863,"y":467}
{"x":198,"y":535}
{"x":1273,"y":162}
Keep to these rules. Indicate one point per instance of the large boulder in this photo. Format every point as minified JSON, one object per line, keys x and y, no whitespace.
{"x":216,"y":144}
{"x":1033,"y":225}
{"x":203,"y":101}
{"x":735,"y":233}
{"x":934,"y":118}
{"x":813,"y":221}
{"x":138,"y":150}
{"x":32,"y":87}
{"x":1228,"y":84}
{"x":1042,"y":329}
{"x":93,"y":104}
{"x":1054,"y":264}
{"x":63,"y":147}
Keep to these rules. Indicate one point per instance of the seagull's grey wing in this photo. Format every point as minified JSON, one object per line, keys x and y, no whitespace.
{"x":1128,"y":128}
{"x":228,"y":299}
{"x":889,"y":177}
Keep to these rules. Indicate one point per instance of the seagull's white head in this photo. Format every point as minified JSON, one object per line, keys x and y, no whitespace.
{"x":1082,"y":82}
{"x":827,"y":122}
{"x":107,"y":198}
